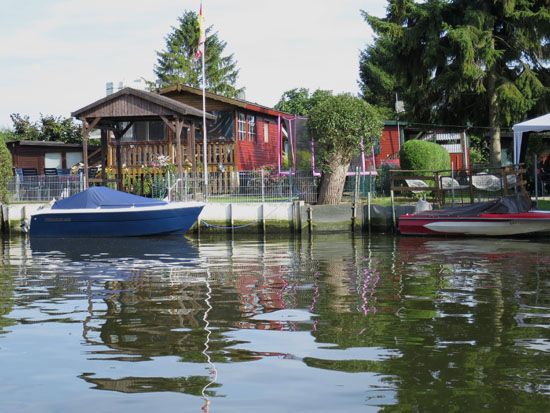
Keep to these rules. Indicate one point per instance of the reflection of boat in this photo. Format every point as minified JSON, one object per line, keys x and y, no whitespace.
{"x":103,"y":212}
{"x":163,"y":249}
{"x":502,"y":217}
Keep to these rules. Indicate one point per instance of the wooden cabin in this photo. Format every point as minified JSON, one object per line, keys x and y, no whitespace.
{"x":138,"y":129}
{"x":39,"y":155}
{"x":249,"y":132}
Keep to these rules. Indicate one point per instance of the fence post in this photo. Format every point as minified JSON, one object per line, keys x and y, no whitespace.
{"x":290,"y":186}
{"x":535,"y":170}
{"x":263,"y":187}
{"x":185,"y":185}
{"x":393,"y":211}
{"x":368,"y":208}
{"x":452,"y":184}
{"x":263,"y":218}
{"x":17,"y":187}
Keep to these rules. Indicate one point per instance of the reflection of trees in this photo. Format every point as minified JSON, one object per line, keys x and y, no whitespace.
{"x":6,"y":287}
{"x":149,"y":319}
{"x":452,"y":326}
{"x":190,"y":385}
{"x":459,"y":321}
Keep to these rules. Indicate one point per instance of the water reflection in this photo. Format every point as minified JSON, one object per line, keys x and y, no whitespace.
{"x":334,"y":324}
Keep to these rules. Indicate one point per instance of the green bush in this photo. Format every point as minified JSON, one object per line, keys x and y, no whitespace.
{"x":5,"y":170}
{"x":384,"y":177}
{"x":424,"y":156}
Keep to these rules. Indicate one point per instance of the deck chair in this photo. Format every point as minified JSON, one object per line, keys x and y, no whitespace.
{"x":417,"y":185}
{"x":451,"y":183}
{"x":486,"y":182}
{"x":50,"y":171}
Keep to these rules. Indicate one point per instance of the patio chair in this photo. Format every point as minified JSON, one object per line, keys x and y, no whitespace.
{"x":486,"y":182}
{"x":30,"y":172}
{"x":50,"y":171}
{"x":417,"y":185}
{"x":448,"y":183}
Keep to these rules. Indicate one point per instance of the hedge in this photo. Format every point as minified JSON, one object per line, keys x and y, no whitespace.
{"x":5,"y":171}
{"x":424,"y":156}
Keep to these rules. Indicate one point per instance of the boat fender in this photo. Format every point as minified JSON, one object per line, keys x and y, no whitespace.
{"x":25,"y":226}
{"x":422,"y":205}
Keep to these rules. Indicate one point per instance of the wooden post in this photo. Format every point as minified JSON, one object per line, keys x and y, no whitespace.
{"x":118,"y":156}
{"x":85,"y":133}
{"x":179,"y":127}
{"x":104,"y":146}
{"x":86,"y":128}
{"x":192,"y":149}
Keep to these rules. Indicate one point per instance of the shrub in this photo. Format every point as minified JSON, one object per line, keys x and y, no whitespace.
{"x":424,"y":155}
{"x":5,"y":170}
{"x":384,"y":177}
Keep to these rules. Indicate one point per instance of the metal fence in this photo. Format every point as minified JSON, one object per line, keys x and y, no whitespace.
{"x":240,"y":187}
{"x":443,"y":187}
{"x":44,"y":188}
{"x":234,"y":187}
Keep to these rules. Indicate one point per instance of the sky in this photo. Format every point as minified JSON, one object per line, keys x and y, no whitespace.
{"x":57,"y":55}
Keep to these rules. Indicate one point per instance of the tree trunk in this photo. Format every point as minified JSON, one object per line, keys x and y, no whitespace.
{"x":494,"y":121}
{"x":332,"y":183}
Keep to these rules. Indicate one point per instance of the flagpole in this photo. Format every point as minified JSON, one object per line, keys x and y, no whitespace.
{"x":204,"y":139}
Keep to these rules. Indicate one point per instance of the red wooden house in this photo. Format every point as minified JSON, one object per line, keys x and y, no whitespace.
{"x":252,"y":132}
{"x":396,"y":133}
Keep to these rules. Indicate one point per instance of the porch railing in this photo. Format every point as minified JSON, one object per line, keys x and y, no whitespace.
{"x":136,"y":155}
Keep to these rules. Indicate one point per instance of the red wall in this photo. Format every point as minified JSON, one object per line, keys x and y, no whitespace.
{"x":389,"y":145}
{"x":389,"y":149}
{"x":256,"y":154}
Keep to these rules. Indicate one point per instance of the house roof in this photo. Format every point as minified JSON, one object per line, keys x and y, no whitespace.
{"x":171,"y":105}
{"x":45,"y":143}
{"x":243,"y":104}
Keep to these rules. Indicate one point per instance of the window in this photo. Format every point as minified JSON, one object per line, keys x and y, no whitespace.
{"x":140,"y":131}
{"x":266,"y":132}
{"x":72,"y":158}
{"x":145,"y":131}
{"x":241,"y":122}
{"x":251,"y":127}
{"x":52,"y":160}
{"x":156,"y":131}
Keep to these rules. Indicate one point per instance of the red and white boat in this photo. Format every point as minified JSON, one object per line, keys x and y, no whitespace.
{"x":506,"y":216}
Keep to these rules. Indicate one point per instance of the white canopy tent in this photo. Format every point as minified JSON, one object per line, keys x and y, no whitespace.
{"x":540,"y":124}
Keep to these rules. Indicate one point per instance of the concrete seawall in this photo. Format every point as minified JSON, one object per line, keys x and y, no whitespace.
{"x":283,"y":217}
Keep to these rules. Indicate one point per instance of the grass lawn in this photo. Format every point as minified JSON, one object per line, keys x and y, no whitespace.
{"x":543,"y":205}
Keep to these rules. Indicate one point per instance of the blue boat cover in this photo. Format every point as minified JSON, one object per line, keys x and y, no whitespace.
{"x":102,"y":197}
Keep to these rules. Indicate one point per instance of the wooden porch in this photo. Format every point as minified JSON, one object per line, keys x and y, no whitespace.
{"x":115,"y":114}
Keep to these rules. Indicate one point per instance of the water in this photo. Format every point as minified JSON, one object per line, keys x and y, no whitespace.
{"x":328,"y":325}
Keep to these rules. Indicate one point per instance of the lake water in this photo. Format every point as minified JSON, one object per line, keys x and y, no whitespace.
{"x":332,"y":324}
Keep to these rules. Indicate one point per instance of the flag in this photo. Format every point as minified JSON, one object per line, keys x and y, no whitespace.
{"x":202,"y":37}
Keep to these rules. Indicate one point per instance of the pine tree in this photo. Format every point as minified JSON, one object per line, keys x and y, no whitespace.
{"x":461,"y":61}
{"x":177,"y":65}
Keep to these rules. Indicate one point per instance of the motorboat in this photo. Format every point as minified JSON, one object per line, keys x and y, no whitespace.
{"x":104,"y":212}
{"x":506,"y":216}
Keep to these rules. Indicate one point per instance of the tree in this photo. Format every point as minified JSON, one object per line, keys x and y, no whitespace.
{"x":48,"y":128}
{"x":461,"y":61}
{"x":5,"y":170}
{"x":339,"y":123}
{"x":177,"y":65}
{"x":300,"y":101}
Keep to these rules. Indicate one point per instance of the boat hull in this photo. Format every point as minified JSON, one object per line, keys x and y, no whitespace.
{"x":482,"y":225}
{"x":116,"y":222}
